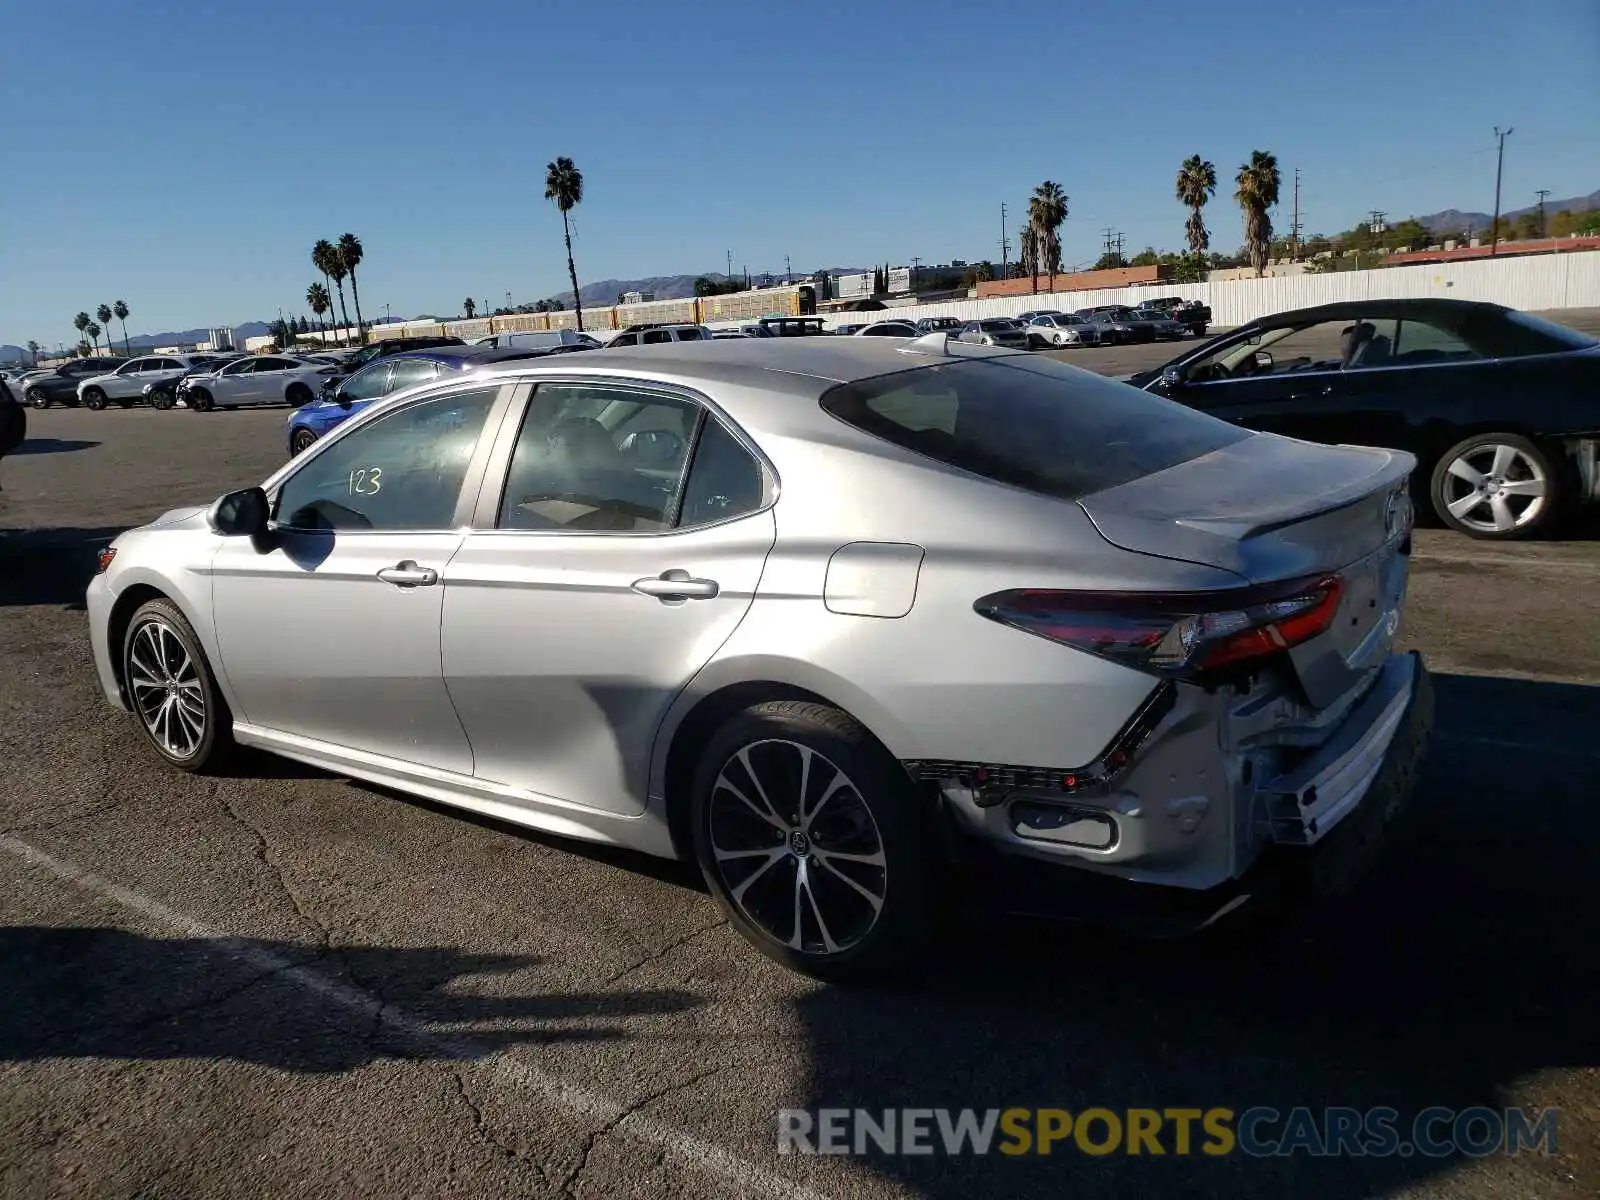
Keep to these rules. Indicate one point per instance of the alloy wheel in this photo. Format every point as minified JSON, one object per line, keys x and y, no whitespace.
{"x":167,"y":693}
{"x":797,"y":847}
{"x":37,"y":398}
{"x":1495,"y":488}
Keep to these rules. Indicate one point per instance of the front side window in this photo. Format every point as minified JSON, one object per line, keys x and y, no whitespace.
{"x":598,"y":458}
{"x":404,"y":471}
{"x":408,"y":372}
{"x":1325,"y":346}
{"x":688,"y":335}
{"x":368,"y":383}
{"x":625,"y":339}
{"x":1029,"y":422}
{"x":242,"y":367}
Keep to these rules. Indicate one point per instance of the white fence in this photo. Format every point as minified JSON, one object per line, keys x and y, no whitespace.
{"x":1531,"y":282}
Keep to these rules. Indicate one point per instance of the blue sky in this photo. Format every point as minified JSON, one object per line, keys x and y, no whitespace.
{"x":174,"y":154}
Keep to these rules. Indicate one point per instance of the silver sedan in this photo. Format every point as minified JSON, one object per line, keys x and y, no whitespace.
{"x":811,"y":612}
{"x":1062,"y":329}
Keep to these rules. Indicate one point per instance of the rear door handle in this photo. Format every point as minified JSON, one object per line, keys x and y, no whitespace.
{"x":676,"y":585}
{"x":408,"y":574}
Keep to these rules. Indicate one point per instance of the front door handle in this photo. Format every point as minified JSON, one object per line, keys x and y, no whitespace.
{"x":676,"y":585}
{"x":408,"y":574}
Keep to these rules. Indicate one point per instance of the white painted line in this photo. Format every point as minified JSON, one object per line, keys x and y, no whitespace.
{"x":704,"y":1156}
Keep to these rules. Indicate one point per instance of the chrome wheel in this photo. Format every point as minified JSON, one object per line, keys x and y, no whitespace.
{"x":164,"y":682}
{"x":797,"y":848}
{"x":1496,"y":488}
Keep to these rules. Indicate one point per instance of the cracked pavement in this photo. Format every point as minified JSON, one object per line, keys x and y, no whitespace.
{"x":279,"y":983}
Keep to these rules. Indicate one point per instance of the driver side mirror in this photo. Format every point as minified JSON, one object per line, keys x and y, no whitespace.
{"x":240,"y":514}
{"x":1172,"y":378}
{"x":1263,"y":359}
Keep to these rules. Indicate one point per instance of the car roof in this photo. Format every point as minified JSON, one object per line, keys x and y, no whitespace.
{"x":1349,"y":310}
{"x":804,"y":365}
{"x":459,"y":354}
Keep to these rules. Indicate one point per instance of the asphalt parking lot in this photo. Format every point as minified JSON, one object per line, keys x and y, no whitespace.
{"x":280,"y":983}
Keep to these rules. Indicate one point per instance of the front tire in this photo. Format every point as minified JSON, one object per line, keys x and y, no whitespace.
{"x":200,"y":400}
{"x":1497,"y":487}
{"x":298,"y":395}
{"x":814,"y":841}
{"x":37,"y":398}
{"x":94,"y":399}
{"x":172,"y":690}
{"x":301,"y":440}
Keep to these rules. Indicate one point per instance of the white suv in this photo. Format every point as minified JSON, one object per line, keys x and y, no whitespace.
{"x":127,"y":383}
{"x":661,"y":333}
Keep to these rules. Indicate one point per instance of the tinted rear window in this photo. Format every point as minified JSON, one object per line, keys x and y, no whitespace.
{"x":1031,"y":423}
{"x":1520,"y":333}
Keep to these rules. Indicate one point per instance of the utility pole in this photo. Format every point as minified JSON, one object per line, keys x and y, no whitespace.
{"x":729,"y":275}
{"x":1122,"y":256}
{"x":915,"y":263}
{"x":788,"y":271}
{"x":1110,"y":236}
{"x":1543,"y":194}
{"x":1499,"y":167}
{"x":1005,"y":246}
{"x":1294,"y":226}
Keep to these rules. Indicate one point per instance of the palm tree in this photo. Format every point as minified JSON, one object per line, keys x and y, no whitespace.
{"x":1197,"y":183}
{"x":1028,"y":253}
{"x":122,"y":311}
{"x":81,"y":322}
{"x":1258,"y":191}
{"x":318,"y":302}
{"x":1047,"y":211}
{"x":104,"y":314}
{"x":470,"y":307}
{"x":325,"y":257}
{"x":563,"y":183}
{"x":33,"y":351}
{"x":93,"y":332}
{"x":350,"y":255}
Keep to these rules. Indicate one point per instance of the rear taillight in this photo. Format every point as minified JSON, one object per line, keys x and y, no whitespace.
{"x":1174,"y":633}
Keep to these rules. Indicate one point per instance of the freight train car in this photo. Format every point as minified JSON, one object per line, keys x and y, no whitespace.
{"x":794,"y":300}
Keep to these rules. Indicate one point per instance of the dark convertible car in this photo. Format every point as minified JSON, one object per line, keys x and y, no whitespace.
{"x":1501,"y":408}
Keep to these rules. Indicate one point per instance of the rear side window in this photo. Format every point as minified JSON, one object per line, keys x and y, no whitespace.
{"x":1030,"y":423}
{"x":688,"y":335}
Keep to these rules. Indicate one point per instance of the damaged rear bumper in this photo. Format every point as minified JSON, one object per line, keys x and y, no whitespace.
{"x":1321,"y":826}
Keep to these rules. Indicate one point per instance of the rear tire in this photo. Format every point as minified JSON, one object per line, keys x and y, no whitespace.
{"x":172,"y":690}
{"x":835,"y":882}
{"x":298,"y":395}
{"x":94,"y":399}
{"x":1498,"y":487}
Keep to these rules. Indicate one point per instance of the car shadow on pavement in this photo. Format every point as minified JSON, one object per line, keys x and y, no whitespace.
{"x":106,"y":993}
{"x":52,"y":446}
{"x":1461,"y":970}
{"x":50,"y":565}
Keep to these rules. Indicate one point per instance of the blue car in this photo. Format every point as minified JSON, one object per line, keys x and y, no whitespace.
{"x":344,"y":398}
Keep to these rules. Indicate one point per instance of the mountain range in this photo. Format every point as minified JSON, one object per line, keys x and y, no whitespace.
{"x":1452,"y":219}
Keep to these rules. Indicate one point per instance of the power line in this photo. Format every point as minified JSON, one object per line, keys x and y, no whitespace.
{"x":1543,"y":194}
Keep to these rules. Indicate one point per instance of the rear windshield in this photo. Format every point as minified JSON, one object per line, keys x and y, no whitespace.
{"x":1520,"y":334}
{"x":1030,"y":422}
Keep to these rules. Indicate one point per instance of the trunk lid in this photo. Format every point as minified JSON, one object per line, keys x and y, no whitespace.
{"x":1270,"y":508}
{"x":1265,"y":508}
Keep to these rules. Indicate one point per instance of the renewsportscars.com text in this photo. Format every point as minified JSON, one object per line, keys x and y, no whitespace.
{"x":1258,"y":1132}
